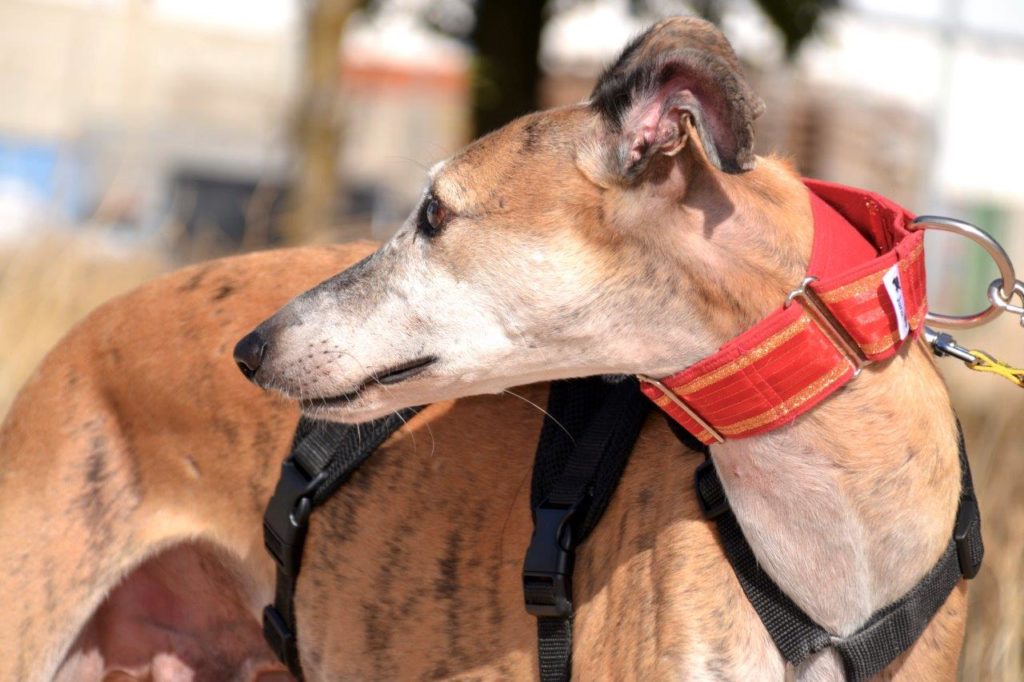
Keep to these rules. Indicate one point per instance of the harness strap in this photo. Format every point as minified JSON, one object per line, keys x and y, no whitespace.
{"x":888,"y":632}
{"x":582,"y":452}
{"x":554,"y":649}
{"x":323,"y":456}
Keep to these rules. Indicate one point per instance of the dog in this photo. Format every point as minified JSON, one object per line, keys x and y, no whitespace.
{"x":633,"y":233}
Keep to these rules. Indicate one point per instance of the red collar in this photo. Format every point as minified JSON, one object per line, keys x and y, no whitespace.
{"x":866,"y":263}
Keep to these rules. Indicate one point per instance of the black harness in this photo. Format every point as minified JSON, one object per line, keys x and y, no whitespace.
{"x":581,"y":454}
{"x":323,"y":457}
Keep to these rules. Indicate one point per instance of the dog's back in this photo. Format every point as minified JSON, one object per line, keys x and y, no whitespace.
{"x":135,"y":435}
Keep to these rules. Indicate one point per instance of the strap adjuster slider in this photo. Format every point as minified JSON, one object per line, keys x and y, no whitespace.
{"x":970,"y":548}
{"x":280,"y":638}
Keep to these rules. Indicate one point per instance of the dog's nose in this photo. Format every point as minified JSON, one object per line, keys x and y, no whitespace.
{"x":249,"y":353}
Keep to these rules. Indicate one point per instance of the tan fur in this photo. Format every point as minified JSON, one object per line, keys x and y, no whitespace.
{"x":138,"y":451}
{"x":387,"y":590}
{"x":135,"y":434}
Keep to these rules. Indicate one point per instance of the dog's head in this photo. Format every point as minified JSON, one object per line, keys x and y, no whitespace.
{"x":589,"y":239}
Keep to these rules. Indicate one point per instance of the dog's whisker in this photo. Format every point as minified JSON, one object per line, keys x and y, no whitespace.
{"x":433,"y":441}
{"x":405,"y":422}
{"x":546,"y":414}
{"x":415,"y":162}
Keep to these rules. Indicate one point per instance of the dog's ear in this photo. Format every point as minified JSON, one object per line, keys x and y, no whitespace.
{"x":681,"y":71}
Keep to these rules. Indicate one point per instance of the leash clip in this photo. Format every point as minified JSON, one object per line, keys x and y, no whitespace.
{"x":1005,"y":302}
{"x":945,"y":345}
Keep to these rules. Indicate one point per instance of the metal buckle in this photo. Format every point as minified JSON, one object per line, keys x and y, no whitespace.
{"x":547,"y":569}
{"x":670,"y":394}
{"x":819,"y":312}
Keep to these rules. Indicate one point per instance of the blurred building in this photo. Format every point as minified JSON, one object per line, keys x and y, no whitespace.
{"x":116,"y":106}
{"x":173,"y":116}
{"x":406,"y":94}
{"x":158,"y":116}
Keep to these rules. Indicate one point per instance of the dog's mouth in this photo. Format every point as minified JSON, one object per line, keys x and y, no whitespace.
{"x":388,"y":377}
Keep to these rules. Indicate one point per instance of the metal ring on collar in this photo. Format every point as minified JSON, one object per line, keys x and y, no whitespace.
{"x":1002,"y":290}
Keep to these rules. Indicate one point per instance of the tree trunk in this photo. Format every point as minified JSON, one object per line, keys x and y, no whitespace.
{"x":316,"y":127}
{"x":506,"y":72}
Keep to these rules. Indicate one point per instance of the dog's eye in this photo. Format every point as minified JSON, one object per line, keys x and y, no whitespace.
{"x":433,"y":216}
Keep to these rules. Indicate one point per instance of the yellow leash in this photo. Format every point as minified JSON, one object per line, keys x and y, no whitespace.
{"x":978,"y":360}
{"x":983,"y":362}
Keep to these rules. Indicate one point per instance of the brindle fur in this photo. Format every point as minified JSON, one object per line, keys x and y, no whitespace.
{"x":136,"y":462}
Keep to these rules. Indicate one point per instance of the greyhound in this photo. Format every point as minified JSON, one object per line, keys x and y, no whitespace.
{"x":633,"y":233}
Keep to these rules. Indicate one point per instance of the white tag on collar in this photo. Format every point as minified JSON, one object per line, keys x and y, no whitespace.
{"x":893,"y":287}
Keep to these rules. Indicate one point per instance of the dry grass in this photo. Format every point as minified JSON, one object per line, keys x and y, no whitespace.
{"x":994,"y":649}
{"x":47,"y":287}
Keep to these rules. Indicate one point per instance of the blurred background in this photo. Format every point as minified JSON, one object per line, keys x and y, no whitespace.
{"x":140,"y":135}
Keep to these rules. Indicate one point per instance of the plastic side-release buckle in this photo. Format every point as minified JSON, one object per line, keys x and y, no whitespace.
{"x":710,"y":495}
{"x":547,"y":570}
{"x":284,"y":522}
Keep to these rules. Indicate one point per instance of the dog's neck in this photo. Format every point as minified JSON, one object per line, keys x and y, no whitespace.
{"x":850,"y":506}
